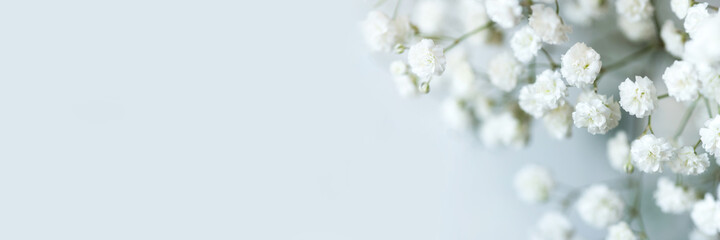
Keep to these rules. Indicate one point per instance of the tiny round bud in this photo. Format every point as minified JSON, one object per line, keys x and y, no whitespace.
{"x":399,"y":48}
{"x":629,"y":168}
{"x":424,"y":87}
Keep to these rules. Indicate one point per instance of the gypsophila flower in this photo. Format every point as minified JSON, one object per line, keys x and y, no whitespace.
{"x":382,"y":33}
{"x":638,"y":98}
{"x":552,"y":226}
{"x":673,"y":39}
{"x":583,"y":12}
{"x":681,"y":81}
{"x":558,"y":121}
{"x":649,"y":152}
{"x":710,"y":136}
{"x":429,"y":15}
{"x":504,"y":71}
{"x":482,"y":107}
{"x":634,"y":10}
{"x":525,"y":44}
{"x":596,"y":112}
{"x":705,"y":214}
{"x":618,"y":151}
{"x":473,"y":15}
{"x":462,"y":74}
{"x":680,"y":7}
{"x":545,"y":94}
{"x":426,"y":59}
{"x":620,"y":231}
{"x":506,"y":13}
{"x":637,"y":31}
{"x":533,"y":183}
{"x":456,"y":115}
{"x":398,"y":68}
{"x":580,"y":65}
{"x":695,"y":16}
{"x":671,"y":198}
{"x":688,"y":162}
{"x":504,"y":129}
{"x":599,"y":206}
{"x":547,"y":24}
{"x":703,"y":47}
{"x":710,"y":80}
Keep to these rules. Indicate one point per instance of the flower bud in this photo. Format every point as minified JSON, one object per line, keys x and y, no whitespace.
{"x":399,"y":48}
{"x":629,"y":168}
{"x":424,"y":87}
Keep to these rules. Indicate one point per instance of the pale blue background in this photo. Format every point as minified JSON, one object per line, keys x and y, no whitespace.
{"x":228,"y":119}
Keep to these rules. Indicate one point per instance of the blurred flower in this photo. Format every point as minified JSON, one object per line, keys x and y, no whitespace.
{"x":552,"y":226}
{"x":558,"y":121}
{"x":672,"y":198}
{"x":710,"y":136}
{"x":599,"y":206}
{"x":634,"y":10}
{"x":533,"y":183}
{"x":680,"y":7}
{"x":618,"y":151}
{"x":429,"y":16}
{"x":620,"y":231}
{"x":382,"y":33}
{"x":673,"y":39}
{"x":548,"y":25}
{"x":688,"y":162}
{"x":504,"y":71}
{"x":695,"y":16}
{"x":681,"y":81}
{"x":705,"y":214}
{"x":637,"y":31}
{"x":525,"y":44}
{"x":506,"y":13}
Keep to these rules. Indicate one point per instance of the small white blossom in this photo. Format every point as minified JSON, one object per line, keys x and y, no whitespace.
{"x":695,"y":16}
{"x":525,"y":44}
{"x":506,"y":13}
{"x":583,"y":12}
{"x":558,"y":121}
{"x":580,"y":65}
{"x":688,"y":162}
{"x":710,"y":80}
{"x":673,"y":39}
{"x":545,"y":94}
{"x":672,"y":198}
{"x":703,"y":47}
{"x":548,"y":25}
{"x":649,"y":152}
{"x":552,"y":226}
{"x":637,"y":31}
{"x":618,"y":151}
{"x":382,"y":33}
{"x":473,"y":15}
{"x":505,"y":130}
{"x":456,"y":115}
{"x":638,"y":98}
{"x":426,"y":59}
{"x":599,"y":206}
{"x":620,"y":231}
{"x":680,"y":7}
{"x":533,"y":183}
{"x":705,"y":214}
{"x":710,"y":136}
{"x":429,"y":16}
{"x":398,"y":68}
{"x":463,"y":82}
{"x":597,"y":113}
{"x":681,"y":81}
{"x":634,"y":10}
{"x":504,"y":71}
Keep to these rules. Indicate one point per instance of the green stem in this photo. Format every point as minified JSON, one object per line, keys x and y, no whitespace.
{"x":650,"y":124}
{"x":557,"y":8}
{"x":553,"y":65}
{"x":707,"y":105}
{"x":663,"y":96}
{"x":685,"y":119}
{"x":466,"y":35}
{"x":622,"y":62}
{"x":697,"y":144}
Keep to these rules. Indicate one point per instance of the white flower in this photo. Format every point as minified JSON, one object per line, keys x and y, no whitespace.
{"x":599,"y":206}
{"x":456,"y":115}
{"x":703,"y":47}
{"x":620,"y":231}
{"x":649,"y":152}
{"x":696,"y":234}
{"x":545,"y":94}
{"x":547,"y":24}
{"x":705,"y":214}
{"x":504,"y":71}
{"x":525,"y":44}
{"x":634,"y":10}
{"x":695,"y":16}
{"x":382,"y":33}
{"x":688,"y":162}
{"x":672,"y":198}
{"x":473,"y":15}
{"x":482,"y":106}
{"x":429,"y":16}
{"x":673,"y":39}
{"x":506,"y":13}
{"x":638,"y":98}
{"x":580,"y":65}
{"x":680,"y":7}
{"x":406,"y":85}
{"x":681,"y":81}
{"x":710,"y":136}
{"x":618,"y":151}
{"x":637,"y":31}
{"x":533,"y":183}
{"x":398,"y":68}
{"x":583,"y":12}
{"x":504,"y":129}
{"x":426,"y":59}
{"x":552,"y":226}
{"x":597,"y":113}
{"x":463,"y":82}
{"x":559,"y":121}
{"x":710,"y":79}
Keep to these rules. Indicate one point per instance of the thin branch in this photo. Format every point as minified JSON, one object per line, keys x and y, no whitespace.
{"x":685,"y":119}
{"x":466,"y":35}
{"x":707,"y":105}
{"x":663,"y":96}
{"x":553,"y":65}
